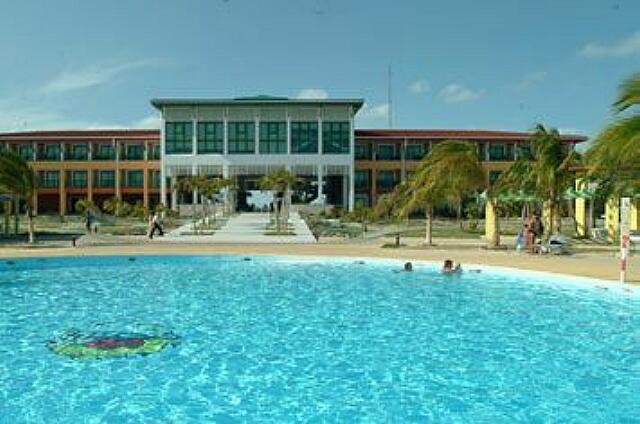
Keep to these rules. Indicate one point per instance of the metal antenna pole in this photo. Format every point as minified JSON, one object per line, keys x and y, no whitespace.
{"x":389,"y":99}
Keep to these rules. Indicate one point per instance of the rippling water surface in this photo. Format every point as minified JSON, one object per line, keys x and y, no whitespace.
{"x":286,"y":340}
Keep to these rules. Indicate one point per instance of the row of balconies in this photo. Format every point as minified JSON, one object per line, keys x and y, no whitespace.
{"x":101,"y":179}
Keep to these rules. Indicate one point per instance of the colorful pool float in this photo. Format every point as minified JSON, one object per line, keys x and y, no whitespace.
{"x":112,"y":347}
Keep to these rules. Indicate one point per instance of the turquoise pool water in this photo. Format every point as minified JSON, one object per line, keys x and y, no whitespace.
{"x":285,"y":340}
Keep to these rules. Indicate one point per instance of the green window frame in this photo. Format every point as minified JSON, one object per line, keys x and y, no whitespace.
{"x":482,"y":151}
{"x":155,"y":151}
{"x":134,"y":178}
{"x":415,"y":151}
{"x":105,"y":179}
{"x":78,"y":179}
{"x":156,"y":179}
{"x":362,"y":151}
{"x":525,"y":151}
{"x":386,"y":180}
{"x":50,"y":152}
{"x":499,"y":152}
{"x":273,"y":137}
{"x":178,"y":138}
{"x":361,"y":179}
{"x":336,"y":137}
{"x":304,"y":137}
{"x":103,"y":152}
{"x":210,"y":137}
{"x":387,"y":152}
{"x":134,"y":151}
{"x":26,"y":151}
{"x":50,"y":179}
{"x":78,"y":152}
{"x":242,"y":137}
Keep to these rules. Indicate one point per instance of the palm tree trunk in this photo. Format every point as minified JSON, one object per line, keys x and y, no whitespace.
{"x":428,"y":239}
{"x":16,"y":216}
{"x":7,"y":217}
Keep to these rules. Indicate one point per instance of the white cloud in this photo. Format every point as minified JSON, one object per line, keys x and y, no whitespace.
{"x":93,"y":75}
{"x":312,"y":93}
{"x":419,"y":87}
{"x":629,"y":46}
{"x":373,"y":115}
{"x":151,"y":121}
{"x":529,"y":80}
{"x":456,"y":93}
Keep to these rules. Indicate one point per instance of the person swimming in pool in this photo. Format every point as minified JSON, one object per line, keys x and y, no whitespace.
{"x":408,"y":266}
{"x":449,"y":268}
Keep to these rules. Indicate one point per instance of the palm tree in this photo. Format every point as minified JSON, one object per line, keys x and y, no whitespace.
{"x":614,"y":156}
{"x":18,"y":178}
{"x":280,"y":183}
{"x":552,"y":171}
{"x":211,"y":187}
{"x":451,"y":171}
{"x":456,"y":165}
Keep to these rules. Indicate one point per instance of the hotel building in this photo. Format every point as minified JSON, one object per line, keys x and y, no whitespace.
{"x":244,"y":139}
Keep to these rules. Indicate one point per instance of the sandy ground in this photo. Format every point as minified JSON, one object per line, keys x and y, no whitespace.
{"x":601,"y":265}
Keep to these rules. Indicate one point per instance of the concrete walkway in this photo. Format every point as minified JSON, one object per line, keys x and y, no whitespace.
{"x":249,"y":228}
{"x":246,"y":228}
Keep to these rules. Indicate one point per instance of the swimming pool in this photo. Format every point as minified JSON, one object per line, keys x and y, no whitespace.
{"x":280,"y":339}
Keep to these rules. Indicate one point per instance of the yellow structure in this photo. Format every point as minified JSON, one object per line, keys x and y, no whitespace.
{"x":634,"y":221}
{"x":612,"y":218}
{"x":581,"y":211}
{"x":491,"y":231}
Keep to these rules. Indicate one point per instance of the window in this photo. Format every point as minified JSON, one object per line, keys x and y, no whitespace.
{"x":336,"y":137}
{"x":304,"y":137}
{"x":482,"y":151}
{"x":242,"y":137}
{"x":134,"y":151}
{"x":362,"y":151}
{"x":104,"y":152}
{"x":104,"y":179}
{"x":501,"y":152}
{"x":134,"y":178}
{"x":386,"y":180}
{"x":154,"y":150}
{"x":493,"y":176}
{"x":386,"y":152}
{"x":26,"y":151}
{"x":415,"y":151}
{"x":78,"y":152}
{"x":210,"y":137}
{"x":155,"y":179}
{"x":273,"y":137}
{"x":178,"y":137}
{"x":78,"y":179}
{"x":49,"y":152}
{"x":361,"y":199}
{"x":361,"y":179}
{"x":525,"y":151}
{"x":50,"y":179}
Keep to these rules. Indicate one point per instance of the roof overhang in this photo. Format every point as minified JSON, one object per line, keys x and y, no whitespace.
{"x":160,"y":103}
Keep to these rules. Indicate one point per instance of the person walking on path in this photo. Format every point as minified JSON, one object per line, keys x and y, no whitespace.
{"x":154,"y":225}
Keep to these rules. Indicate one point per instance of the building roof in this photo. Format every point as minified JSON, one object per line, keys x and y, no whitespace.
{"x":80,"y":134}
{"x":253,"y":101}
{"x":487,"y":135}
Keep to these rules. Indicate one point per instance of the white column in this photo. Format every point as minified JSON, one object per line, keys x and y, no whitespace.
{"x":319,"y":131}
{"x":194,"y":172}
{"x":288,"y":118}
{"x":225,"y":132}
{"x":257,"y":134}
{"x":320,"y":182}
{"x":352,"y":149}
{"x":194,"y":128}
{"x":163,"y":165}
{"x":174,"y":194}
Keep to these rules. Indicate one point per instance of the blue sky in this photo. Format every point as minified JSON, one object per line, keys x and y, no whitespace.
{"x":496,"y":64}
